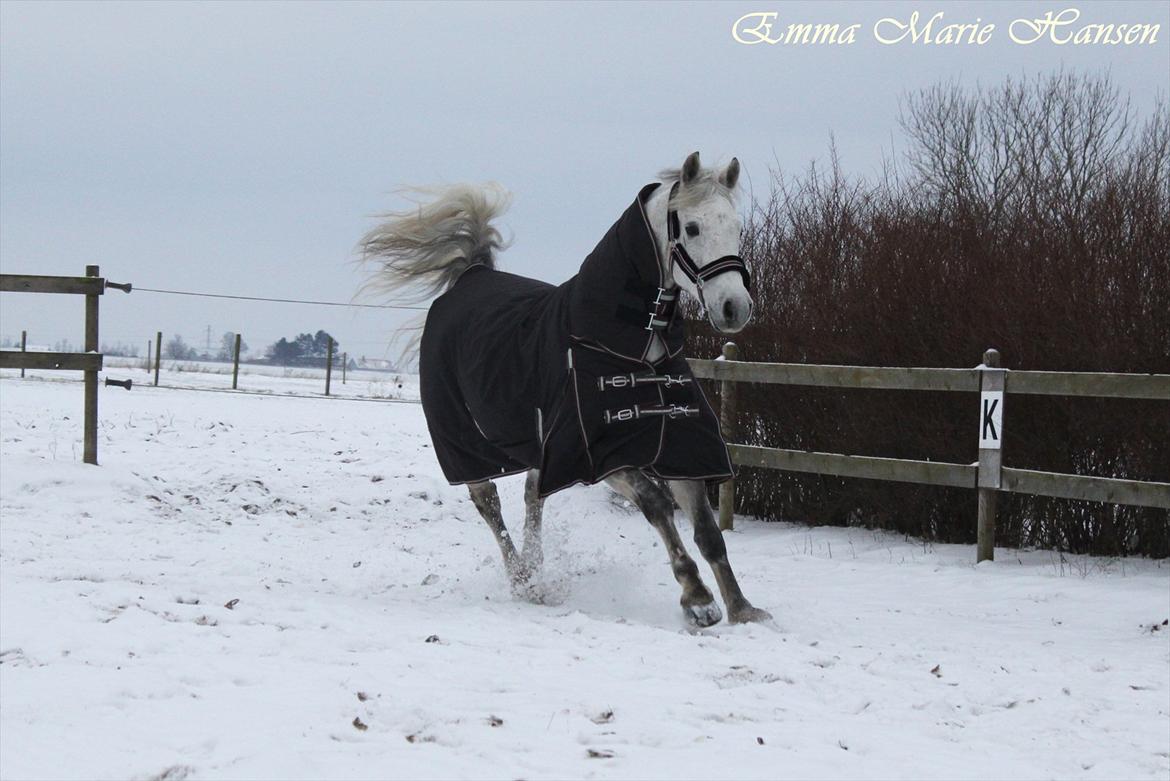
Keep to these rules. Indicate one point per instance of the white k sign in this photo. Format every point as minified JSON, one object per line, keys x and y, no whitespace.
{"x":991,"y":419}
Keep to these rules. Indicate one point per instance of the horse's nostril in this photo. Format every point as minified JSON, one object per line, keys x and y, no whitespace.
{"x":728,"y":310}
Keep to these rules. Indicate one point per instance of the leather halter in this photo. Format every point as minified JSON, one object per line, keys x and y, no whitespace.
{"x":678,"y":255}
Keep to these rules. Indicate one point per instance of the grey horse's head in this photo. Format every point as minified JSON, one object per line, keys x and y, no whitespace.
{"x":709,"y":228}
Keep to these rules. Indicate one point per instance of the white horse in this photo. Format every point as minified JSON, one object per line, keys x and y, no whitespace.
{"x":517,"y":375}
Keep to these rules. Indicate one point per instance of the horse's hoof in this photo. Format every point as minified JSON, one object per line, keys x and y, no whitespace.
{"x":529,"y":594}
{"x":703,"y":615}
{"x":750,"y":614}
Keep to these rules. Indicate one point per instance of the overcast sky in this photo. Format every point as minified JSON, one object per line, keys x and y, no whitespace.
{"x":242,"y":148}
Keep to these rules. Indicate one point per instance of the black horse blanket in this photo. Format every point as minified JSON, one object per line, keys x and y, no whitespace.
{"x":518,"y":374}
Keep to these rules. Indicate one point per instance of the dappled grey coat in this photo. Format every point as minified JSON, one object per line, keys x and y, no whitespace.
{"x":510,"y":366}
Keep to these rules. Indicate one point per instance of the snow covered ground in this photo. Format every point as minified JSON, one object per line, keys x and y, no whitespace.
{"x":263,"y":586}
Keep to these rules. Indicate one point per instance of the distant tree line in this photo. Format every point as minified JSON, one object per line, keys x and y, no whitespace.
{"x":304,"y":350}
{"x":120,"y":349}
{"x":177,"y":349}
{"x":65,"y":346}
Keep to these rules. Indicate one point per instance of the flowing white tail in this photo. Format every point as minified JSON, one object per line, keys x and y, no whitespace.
{"x":419,"y":253}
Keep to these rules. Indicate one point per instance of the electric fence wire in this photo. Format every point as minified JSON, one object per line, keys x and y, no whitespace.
{"x":278,"y":300}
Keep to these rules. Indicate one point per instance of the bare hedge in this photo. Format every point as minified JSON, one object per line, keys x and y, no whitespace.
{"x":1034,"y":218}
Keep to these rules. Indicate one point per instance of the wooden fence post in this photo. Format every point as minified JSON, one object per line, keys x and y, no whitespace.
{"x":726,"y":424}
{"x":23,"y":347}
{"x":344,"y":362}
{"x":988,"y":479}
{"x":157,"y":354}
{"x":236,"y":364}
{"x":91,"y":378}
{"x":329,"y":366}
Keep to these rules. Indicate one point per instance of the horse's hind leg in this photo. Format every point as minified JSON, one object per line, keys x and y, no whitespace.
{"x":698,"y":604}
{"x":532,"y":554}
{"x":487,"y":500}
{"x":692,"y":497}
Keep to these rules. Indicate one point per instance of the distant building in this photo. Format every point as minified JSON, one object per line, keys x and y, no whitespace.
{"x":373,"y":364}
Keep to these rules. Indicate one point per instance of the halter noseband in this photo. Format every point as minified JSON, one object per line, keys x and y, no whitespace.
{"x":678,"y":255}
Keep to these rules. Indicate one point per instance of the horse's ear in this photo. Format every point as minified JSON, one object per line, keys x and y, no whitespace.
{"x":690,"y":168}
{"x":730,"y":174}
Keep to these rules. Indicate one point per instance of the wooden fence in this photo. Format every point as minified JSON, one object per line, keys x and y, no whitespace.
{"x":156,"y":361}
{"x":90,"y":362}
{"x":987,"y":475}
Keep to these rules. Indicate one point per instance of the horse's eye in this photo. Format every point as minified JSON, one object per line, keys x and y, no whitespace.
{"x":692,"y":229}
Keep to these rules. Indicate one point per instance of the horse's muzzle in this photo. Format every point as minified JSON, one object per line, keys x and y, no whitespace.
{"x":730,"y":315}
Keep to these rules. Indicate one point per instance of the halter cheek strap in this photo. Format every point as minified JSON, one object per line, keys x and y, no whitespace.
{"x":678,"y":255}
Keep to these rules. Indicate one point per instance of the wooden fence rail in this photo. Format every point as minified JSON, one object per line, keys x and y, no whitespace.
{"x":86,"y":362}
{"x":987,"y":474}
{"x":31,"y":283}
{"x":1122,"y":386}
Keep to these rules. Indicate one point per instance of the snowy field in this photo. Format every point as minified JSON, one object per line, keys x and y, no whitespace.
{"x":263,"y":586}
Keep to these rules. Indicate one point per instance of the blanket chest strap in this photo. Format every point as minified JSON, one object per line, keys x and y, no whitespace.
{"x":638,"y":412}
{"x":632,"y":380}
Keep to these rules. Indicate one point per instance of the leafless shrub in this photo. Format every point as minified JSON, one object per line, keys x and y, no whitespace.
{"x":1034,"y":218}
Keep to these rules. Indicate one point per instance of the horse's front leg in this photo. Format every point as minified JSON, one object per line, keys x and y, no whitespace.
{"x":698,"y":604}
{"x":532,"y":555}
{"x":487,"y":500}
{"x":692,"y":497}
